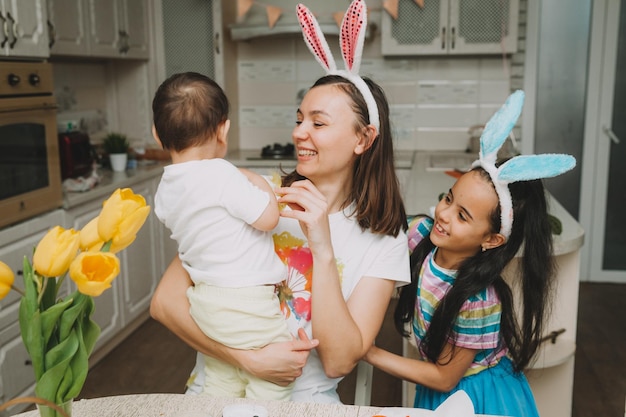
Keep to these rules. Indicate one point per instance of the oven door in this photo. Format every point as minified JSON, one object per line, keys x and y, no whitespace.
{"x":30,"y":177}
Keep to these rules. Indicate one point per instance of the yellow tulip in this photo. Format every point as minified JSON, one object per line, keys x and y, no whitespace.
{"x":93,"y":272}
{"x":6,"y":279}
{"x":89,"y":238}
{"x":55,"y":251}
{"x":121,"y":217}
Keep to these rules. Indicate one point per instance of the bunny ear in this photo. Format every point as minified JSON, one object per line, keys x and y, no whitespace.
{"x":532,"y":167}
{"x":315,"y":39}
{"x":500,"y":125}
{"x":353,"y":29}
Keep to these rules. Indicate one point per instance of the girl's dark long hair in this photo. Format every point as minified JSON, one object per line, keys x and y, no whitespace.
{"x":375,"y":187}
{"x":520,"y":331}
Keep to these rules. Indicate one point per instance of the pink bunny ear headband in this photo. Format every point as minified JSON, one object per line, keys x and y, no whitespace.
{"x":519,"y":168}
{"x":353,"y":29}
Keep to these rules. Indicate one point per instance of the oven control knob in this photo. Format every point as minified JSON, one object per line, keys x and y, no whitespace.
{"x":13,"y":79}
{"x":34,"y":79}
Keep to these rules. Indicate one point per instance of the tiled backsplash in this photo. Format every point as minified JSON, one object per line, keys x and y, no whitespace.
{"x":433,"y":100}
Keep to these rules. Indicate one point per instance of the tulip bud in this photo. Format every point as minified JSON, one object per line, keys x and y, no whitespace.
{"x":6,"y":279}
{"x":89,"y":238}
{"x":55,"y":252}
{"x":93,"y":272}
{"x":121,"y":217}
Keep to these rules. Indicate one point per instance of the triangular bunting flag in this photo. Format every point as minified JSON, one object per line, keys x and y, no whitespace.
{"x":391,"y":6}
{"x":273,"y":14}
{"x":242,"y":7}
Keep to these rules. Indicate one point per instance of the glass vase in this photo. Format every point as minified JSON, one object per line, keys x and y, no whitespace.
{"x":60,"y":410}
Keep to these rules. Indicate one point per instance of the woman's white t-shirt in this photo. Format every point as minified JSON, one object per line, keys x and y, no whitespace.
{"x":358,"y":254}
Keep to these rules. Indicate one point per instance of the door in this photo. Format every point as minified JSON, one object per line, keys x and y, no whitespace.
{"x":604,"y":171}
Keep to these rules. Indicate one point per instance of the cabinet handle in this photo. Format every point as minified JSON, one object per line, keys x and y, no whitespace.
{"x":5,"y":30}
{"x":609,"y":132}
{"x":443,"y":38}
{"x":217,"y":42}
{"x":52,"y":34}
{"x":452,"y":37}
{"x":13,"y":29}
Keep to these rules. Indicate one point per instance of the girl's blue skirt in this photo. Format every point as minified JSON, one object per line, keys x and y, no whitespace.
{"x":497,"y":391}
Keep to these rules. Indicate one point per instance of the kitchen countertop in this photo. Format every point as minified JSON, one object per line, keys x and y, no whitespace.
{"x":251,"y":158}
{"x":110,"y":181}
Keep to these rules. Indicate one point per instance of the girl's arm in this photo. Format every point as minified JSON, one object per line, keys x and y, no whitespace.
{"x":345,"y":330}
{"x":280,"y":363}
{"x":440,"y":377}
{"x":269,"y":219}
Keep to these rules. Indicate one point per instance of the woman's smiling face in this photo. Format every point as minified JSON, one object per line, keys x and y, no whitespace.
{"x":463,"y":220}
{"x":325,"y":134}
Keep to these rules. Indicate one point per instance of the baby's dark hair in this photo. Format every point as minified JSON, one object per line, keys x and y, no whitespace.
{"x":188,"y":108}
{"x":520,"y":333}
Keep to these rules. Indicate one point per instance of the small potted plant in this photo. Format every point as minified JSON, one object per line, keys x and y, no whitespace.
{"x":116,"y":145}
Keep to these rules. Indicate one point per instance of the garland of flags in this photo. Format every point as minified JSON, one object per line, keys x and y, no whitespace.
{"x":274,"y":13}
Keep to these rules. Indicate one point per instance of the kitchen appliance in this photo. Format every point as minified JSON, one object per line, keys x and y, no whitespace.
{"x":76,"y":154}
{"x":276,"y":151}
{"x":30,"y":177}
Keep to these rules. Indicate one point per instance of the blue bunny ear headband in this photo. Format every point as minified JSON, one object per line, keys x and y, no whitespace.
{"x":519,"y":168}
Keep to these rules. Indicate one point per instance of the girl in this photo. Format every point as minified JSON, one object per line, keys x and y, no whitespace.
{"x":339,"y":284}
{"x":460,"y":309}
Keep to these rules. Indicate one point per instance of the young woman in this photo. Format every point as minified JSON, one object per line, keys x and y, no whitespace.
{"x":460,"y":309}
{"x":342,"y":239}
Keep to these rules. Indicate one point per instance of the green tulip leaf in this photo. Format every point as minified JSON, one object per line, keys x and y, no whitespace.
{"x":30,"y":328}
{"x":30,"y":288}
{"x":90,"y":328}
{"x":62,"y":394}
{"x":57,"y":361}
{"x":48,"y":299}
{"x":79,"y":366}
{"x":50,"y":317}
{"x":69,"y":317}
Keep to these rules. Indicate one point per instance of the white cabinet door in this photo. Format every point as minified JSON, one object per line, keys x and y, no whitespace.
{"x":107,"y":313}
{"x":17,"y":377}
{"x":451,"y":27}
{"x":24,"y":28}
{"x":16,"y":242}
{"x":67,"y":27}
{"x":118,"y":28}
{"x":104,"y":28}
{"x":134,"y":27}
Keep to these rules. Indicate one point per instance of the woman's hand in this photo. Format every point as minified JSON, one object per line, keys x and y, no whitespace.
{"x":280,"y":363}
{"x":310,"y":207}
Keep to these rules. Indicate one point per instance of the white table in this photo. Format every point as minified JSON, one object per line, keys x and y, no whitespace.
{"x":181,"y":405}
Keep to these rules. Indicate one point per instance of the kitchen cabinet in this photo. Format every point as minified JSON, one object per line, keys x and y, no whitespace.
{"x":67,"y":27}
{"x":451,"y":27}
{"x":108,"y":313}
{"x":120,"y":309}
{"x":99,"y":29}
{"x":110,"y":33}
{"x":140,"y":268}
{"x":17,"y":377}
{"x":24,"y":31}
{"x":192,"y":25}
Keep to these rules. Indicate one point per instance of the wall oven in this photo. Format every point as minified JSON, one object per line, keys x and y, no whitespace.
{"x":30,"y":177}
